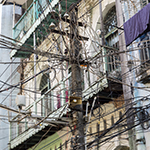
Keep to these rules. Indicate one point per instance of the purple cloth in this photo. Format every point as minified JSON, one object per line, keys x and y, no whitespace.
{"x":137,"y":25}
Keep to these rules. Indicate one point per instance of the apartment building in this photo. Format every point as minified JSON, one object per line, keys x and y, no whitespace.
{"x":54,"y":36}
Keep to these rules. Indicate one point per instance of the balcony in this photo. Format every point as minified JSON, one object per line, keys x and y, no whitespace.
{"x":37,"y":18}
{"x":47,"y":111}
{"x":34,"y":15}
{"x":113,"y":68}
{"x":33,"y":134}
{"x":113,"y":65}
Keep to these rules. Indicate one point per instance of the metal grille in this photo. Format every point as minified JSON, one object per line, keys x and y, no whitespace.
{"x":29,"y":17}
{"x":145,"y":54}
{"x":113,"y":61}
{"x":144,"y":3}
{"x":110,"y":20}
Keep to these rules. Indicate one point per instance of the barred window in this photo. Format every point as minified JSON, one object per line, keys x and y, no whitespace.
{"x":110,"y":20}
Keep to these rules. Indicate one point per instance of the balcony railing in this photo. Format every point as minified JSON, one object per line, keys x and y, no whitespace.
{"x":145,"y":52}
{"x":113,"y":65}
{"x":52,"y":104}
{"x":29,"y":17}
{"x":143,"y":68}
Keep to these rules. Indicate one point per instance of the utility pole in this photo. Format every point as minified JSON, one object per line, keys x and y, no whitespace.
{"x":76,"y":88}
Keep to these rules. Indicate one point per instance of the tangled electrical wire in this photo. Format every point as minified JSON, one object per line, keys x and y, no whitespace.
{"x":93,"y":64}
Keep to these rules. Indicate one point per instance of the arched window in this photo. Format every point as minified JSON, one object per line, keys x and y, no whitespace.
{"x":110,"y":20}
{"x":122,"y":148}
{"x":111,"y":39}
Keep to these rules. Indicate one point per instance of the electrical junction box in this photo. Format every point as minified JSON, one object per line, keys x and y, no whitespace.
{"x":21,"y":100}
{"x":75,"y":102}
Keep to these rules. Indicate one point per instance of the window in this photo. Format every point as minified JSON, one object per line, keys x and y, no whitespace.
{"x":144,"y":3}
{"x":97,"y":127}
{"x":120,"y":115}
{"x":112,"y":120}
{"x":90,"y":130}
{"x":66,"y":144}
{"x":58,"y":101}
{"x":46,"y":101}
{"x":110,"y":20}
{"x":105,"y":124}
{"x":60,"y":146}
{"x":145,"y":47}
{"x":113,"y":61}
{"x":66,"y":93}
{"x":112,"y":40}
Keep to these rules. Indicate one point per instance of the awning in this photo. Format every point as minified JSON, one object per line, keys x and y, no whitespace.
{"x":97,"y":86}
{"x":33,"y":131}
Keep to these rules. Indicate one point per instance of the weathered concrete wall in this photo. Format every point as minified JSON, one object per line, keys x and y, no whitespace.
{"x":8,"y":73}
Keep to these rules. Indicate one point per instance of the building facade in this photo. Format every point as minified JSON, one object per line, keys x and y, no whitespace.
{"x":9,"y":74}
{"x":63,"y":55}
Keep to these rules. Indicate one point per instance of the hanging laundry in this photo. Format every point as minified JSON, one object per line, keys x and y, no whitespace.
{"x":137,"y":25}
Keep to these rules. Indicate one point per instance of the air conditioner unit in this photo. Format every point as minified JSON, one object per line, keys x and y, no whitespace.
{"x":21,"y":100}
